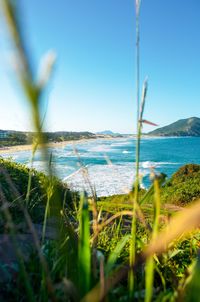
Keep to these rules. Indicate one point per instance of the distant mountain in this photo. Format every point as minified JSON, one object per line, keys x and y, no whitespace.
{"x":184,"y":127}
{"x":108,"y":132}
{"x":105,"y":132}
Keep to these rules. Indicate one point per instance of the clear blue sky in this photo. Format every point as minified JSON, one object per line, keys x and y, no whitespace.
{"x":93,"y":87}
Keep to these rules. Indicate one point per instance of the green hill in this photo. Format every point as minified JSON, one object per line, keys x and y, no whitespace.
{"x":13,"y":138}
{"x":183,"y":127}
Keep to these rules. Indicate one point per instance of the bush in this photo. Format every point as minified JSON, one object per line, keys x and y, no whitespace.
{"x":183,"y":187}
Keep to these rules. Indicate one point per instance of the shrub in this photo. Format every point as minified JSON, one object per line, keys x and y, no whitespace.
{"x":183,"y":187}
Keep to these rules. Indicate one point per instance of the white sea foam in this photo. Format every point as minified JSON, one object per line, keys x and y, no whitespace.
{"x":106,"y":179}
{"x":110,"y":179}
{"x":38,"y":165}
{"x":154,"y":164}
{"x":100,"y":148}
{"x":148,"y":164}
{"x":122,"y":143}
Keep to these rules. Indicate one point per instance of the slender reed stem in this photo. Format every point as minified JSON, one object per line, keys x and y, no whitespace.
{"x":84,"y":251}
{"x":136,"y":191}
{"x":149,"y":274}
{"x":138,"y":55}
{"x":133,"y":228}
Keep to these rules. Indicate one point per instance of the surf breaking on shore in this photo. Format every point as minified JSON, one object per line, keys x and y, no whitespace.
{"x":110,"y":162}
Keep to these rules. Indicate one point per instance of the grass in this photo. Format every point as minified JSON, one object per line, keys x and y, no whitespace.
{"x":66,"y":256}
{"x":83,"y":249}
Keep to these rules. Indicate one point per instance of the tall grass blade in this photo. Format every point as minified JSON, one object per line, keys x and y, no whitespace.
{"x":149,"y":272}
{"x":47,"y":209}
{"x":115,"y":254}
{"x":35,"y":145}
{"x":136,"y":192}
{"x":193,"y":290}
{"x":84,"y":251}
{"x":149,"y":194}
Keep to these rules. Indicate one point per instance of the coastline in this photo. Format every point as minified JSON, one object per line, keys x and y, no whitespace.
{"x":28,"y":147}
{"x":18,"y":148}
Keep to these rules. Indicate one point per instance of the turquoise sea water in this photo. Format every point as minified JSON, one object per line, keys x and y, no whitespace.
{"x":111,"y":163}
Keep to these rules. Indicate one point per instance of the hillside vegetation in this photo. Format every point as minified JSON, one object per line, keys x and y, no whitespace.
{"x":14,"y":138}
{"x":14,"y":179}
{"x":184,"y":127}
{"x":62,"y":251}
{"x":183,"y":187}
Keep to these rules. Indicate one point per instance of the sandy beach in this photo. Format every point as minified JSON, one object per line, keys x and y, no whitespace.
{"x":13,"y":149}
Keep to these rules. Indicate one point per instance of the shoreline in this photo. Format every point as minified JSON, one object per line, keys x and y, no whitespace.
{"x":18,"y":148}
{"x":28,"y":147}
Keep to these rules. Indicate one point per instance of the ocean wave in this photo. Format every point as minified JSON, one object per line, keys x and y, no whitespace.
{"x":126,"y":152}
{"x":100,"y":148}
{"x":119,"y":177}
{"x":154,"y":164}
{"x":119,"y":144}
{"x":106,"y":179}
{"x":38,"y":165}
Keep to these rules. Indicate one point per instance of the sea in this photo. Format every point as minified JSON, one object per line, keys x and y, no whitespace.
{"x":108,"y":165}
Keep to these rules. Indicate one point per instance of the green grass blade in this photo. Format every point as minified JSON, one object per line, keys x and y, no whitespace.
{"x":193,"y":290}
{"x":149,"y":274}
{"x":149,"y":194}
{"x":115,"y":254}
{"x":84,"y":251}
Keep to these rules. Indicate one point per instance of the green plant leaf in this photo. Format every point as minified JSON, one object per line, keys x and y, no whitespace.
{"x":84,"y":251}
{"x":115,"y":253}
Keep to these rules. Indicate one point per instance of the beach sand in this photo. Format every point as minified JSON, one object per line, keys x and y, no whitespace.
{"x":13,"y":149}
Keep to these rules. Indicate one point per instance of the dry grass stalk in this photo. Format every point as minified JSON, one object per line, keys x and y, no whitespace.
{"x":183,"y":223}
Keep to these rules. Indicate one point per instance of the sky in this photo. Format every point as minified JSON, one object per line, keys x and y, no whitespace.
{"x":93,"y":85}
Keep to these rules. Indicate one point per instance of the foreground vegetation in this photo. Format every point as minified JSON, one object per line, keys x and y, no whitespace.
{"x":60,"y":244}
